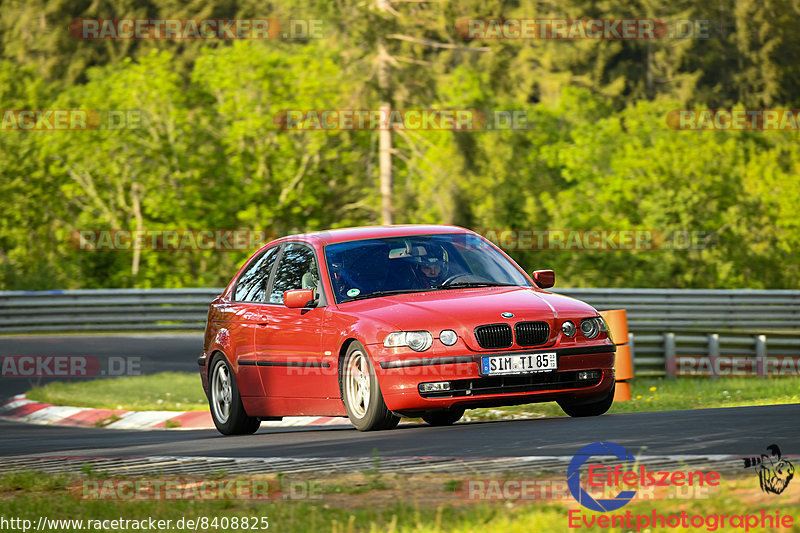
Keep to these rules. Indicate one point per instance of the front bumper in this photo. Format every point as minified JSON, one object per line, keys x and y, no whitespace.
{"x":202,"y":363}
{"x":400,"y":375}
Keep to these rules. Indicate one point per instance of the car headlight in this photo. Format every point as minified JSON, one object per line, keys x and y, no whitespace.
{"x":448,"y":337}
{"x":568,"y":328}
{"x":419,"y":341}
{"x":591,"y":327}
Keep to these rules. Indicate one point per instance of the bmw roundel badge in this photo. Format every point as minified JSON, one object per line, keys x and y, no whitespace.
{"x":507,"y":315}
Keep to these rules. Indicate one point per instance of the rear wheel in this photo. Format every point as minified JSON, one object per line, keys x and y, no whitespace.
{"x":362,"y":394}
{"x":595,"y":407}
{"x":444,"y":417}
{"x":226,"y":406}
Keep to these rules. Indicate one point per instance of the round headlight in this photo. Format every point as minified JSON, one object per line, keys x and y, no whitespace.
{"x":568,"y":328}
{"x":419,"y":341}
{"x":448,"y":337}
{"x":590,"y":328}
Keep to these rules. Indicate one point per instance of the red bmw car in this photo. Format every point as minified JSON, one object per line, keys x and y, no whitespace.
{"x":378,"y":323}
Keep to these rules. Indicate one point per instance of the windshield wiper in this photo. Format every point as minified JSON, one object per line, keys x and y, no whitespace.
{"x":462,"y":285}
{"x":467,"y":284}
{"x":384,"y":293}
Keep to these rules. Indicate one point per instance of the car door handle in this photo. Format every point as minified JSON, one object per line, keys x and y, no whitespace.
{"x":262,"y":324}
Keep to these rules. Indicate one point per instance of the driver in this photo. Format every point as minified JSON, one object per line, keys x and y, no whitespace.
{"x":431,"y":269}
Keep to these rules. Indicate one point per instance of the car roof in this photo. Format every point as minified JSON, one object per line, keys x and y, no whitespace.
{"x":372,"y":232}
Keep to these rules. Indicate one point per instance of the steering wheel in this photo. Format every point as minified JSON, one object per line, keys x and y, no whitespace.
{"x":454,"y":277}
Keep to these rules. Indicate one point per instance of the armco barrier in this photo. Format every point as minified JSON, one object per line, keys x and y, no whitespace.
{"x":663,"y":323}
{"x":104,"y":309}
{"x":746,"y":325}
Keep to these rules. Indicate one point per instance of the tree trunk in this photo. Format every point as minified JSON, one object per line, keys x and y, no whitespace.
{"x":137,"y":213}
{"x":385,"y":135}
{"x":385,"y":168}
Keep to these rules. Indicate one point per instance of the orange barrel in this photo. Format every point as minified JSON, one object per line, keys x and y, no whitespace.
{"x":623,"y":366}
{"x":617,"y":320}
{"x":622,"y":391}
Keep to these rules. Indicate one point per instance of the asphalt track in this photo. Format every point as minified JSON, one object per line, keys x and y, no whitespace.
{"x":736,"y":431}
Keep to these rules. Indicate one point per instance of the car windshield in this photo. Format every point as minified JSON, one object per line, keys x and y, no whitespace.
{"x":394,"y":265}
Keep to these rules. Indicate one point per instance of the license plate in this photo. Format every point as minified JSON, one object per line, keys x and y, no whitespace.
{"x":496,"y":365}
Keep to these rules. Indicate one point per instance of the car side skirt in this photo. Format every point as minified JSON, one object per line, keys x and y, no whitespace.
{"x":277,"y":406}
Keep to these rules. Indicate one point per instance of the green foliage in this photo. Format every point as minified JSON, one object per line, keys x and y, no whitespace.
{"x":596,"y":153}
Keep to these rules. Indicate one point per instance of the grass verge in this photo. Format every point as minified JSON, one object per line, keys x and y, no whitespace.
{"x":673,"y":394}
{"x":419,"y":503}
{"x":167,"y":391}
{"x":172,"y":391}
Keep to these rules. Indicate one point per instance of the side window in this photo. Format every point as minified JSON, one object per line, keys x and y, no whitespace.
{"x":297,"y":269}
{"x":252,"y":284}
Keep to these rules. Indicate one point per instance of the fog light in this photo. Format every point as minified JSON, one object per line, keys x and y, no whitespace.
{"x":435,"y":387}
{"x":587,"y":375}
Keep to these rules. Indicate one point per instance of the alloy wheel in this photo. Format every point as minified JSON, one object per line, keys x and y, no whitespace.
{"x":221,"y":393}
{"x":358,"y":384}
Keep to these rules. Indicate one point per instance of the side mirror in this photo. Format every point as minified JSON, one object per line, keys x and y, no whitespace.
{"x":544,"y":278}
{"x":298,"y":298}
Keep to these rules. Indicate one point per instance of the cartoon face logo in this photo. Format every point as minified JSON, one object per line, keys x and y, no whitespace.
{"x":774,"y":472}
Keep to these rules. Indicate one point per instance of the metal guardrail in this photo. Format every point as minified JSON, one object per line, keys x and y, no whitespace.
{"x":664,"y":322}
{"x":104,"y":310}
{"x":669,"y":323}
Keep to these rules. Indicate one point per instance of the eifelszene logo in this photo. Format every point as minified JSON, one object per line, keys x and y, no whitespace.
{"x":608,"y":478}
{"x":574,"y":476}
{"x":774,"y":472}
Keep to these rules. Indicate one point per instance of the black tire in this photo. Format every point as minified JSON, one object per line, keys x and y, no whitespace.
{"x":595,"y":407}
{"x":358,"y":380}
{"x":225,"y":402}
{"x":444,"y":417}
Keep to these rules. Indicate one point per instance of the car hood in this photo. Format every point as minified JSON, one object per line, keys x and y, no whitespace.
{"x":464,"y":309}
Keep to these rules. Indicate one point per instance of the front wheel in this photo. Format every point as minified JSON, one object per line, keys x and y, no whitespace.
{"x":362,"y":394}
{"x":594,"y":407}
{"x":225,"y":402}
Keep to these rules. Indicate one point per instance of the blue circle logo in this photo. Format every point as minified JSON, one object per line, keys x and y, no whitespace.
{"x":507,"y":315}
{"x":574,"y":477}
